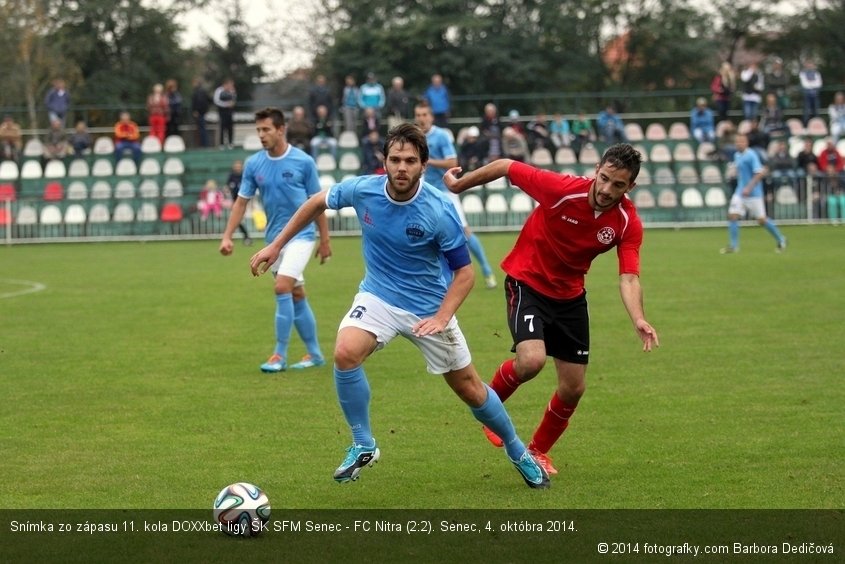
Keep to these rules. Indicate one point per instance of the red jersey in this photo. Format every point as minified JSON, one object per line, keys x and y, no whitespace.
{"x":564,"y":234}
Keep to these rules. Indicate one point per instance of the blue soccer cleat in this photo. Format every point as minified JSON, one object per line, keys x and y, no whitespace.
{"x":357,"y":457}
{"x":308,"y":361}
{"x":531,"y":472}
{"x":275,"y":363}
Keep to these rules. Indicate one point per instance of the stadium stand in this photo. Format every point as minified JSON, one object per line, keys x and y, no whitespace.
{"x":100,"y":190}
{"x":150,"y":145}
{"x":174,"y":144}
{"x":9,"y":170}
{"x":77,"y":190}
{"x":79,"y":169}
{"x":33,"y":148}
{"x":7,"y":192}
{"x":103,"y":145}
{"x":102,"y":167}
{"x":126,"y":167}
{"x":53,"y":192}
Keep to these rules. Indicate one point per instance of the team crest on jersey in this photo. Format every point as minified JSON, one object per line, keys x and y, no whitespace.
{"x":606,"y":235}
{"x":415,"y":231}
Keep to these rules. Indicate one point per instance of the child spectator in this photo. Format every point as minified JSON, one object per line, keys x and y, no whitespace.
{"x":211,"y":200}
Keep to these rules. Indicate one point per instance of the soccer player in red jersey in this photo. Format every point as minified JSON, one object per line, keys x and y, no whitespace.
{"x":577,"y":219}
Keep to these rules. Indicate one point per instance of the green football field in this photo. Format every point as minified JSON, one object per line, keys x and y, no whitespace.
{"x":129,"y":377}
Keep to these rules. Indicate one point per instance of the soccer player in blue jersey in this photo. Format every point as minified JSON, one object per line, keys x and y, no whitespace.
{"x":286,"y":178}
{"x":441,"y":157}
{"x":407,"y":226}
{"x":748,"y":196}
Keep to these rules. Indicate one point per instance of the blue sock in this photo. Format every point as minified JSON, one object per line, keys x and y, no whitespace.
{"x":733,"y":234}
{"x":493,"y":415}
{"x":478,"y":252}
{"x":284,"y":322}
{"x":306,"y":326}
{"x":353,"y":394}
{"x":773,"y":229}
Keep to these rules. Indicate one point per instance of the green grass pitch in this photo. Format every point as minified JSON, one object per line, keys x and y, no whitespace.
{"x":132,"y":381}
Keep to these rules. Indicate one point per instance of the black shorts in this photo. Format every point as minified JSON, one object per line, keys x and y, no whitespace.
{"x":563,"y":325}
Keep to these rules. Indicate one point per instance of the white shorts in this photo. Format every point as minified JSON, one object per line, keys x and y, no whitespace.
{"x":443,"y":352}
{"x":755,"y":207}
{"x":456,"y":201}
{"x":293,"y":259}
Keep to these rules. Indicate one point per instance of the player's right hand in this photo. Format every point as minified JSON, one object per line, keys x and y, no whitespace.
{"x":226,"y":247}
{"x":450,"y":179}
{"x":263,"y":260}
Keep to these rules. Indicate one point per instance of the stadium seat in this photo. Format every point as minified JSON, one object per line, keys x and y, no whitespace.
{"x":123,"y":213}
{"x":326,"y":163}
{"x":642,"y":150}
{"x":664,"y":175}
{"x":327,"y":181}
{"x":173,"y":166}
{"x":102,"y":167}
{"x":174,"y":144}
{"x":655,"y":132}
{"x":75,"y":215}
{"x":100,"y":190}
{"x":796,"y":127}
{"x":687,"y":174}
{"x":499,"y":184}
{"x":150,"y":145}
{"x":691,"y":198}
{"x":147,"y":212}
{"x":7,"y":193}
{"x":817,"y":127}
{"x":667,"y":198}
{"x":566,"y":156}
{"x":252,"y":143}
{"x":542,"y":157}
{"x":644,"y":177}
{"x":786,"y":195}
{"x":124,"y":190}
{"x":840,"y":146}
{"x":9,"y":170}
{"x":171,"y":213}
{"x":26,"y":216}
{"x":126,"y":167}
{"x":711,"y":174}
{"x":53,"y":192}
{"x":660,"y":153}
{"x":590,"y":155}
{"x":99,"y":213}
{"x":149,"y":167}
{"x":350,"y":162}
{"x":50,"y":215}
{"x":31,"y":170}
{"x":496,"y":204}
{"x":705,"y":151}
{"x":643,"y":198}
{"x":348,"y":140}
{"x":103,"y":145}
{"x":634,"y":132}
{"x":683,"y":153}
{"x":818,"y":146}
{"x":149,"y":188}
{"x":5,"y":218}
{"x":521,"y":203}
{"x":77,"y":190}
{"x":55,"y":169}
{"x":472,"y":204}
{"x":79,"y":169}
{"x":33,"y":148}
{"x":714,"y":197}
{"x":172,"y":188}
{"x":679,"y":131}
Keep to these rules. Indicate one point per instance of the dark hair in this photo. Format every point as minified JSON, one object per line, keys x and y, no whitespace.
{"x":274,"y":114}
{"x":623,"y":156}
{"x":422,"y":103}
{"x":407,"y":133}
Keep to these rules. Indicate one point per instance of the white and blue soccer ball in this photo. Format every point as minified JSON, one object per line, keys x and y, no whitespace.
{"x":242,"y":509}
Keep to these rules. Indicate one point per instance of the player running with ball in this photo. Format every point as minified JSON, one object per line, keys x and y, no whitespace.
{"x":578,"y":218}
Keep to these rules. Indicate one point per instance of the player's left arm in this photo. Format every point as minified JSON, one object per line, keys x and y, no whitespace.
{"x":307,"y":213}
{"x":324,"y":250}
{"x":463,"y":280}
{"x":632,"y":298}
{"x":757,"y":178}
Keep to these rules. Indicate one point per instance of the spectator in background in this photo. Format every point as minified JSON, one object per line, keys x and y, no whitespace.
{"x":398,"y":103}
{"x":349,"y":104}
{"x":771,"y":118}
{"x":832,"y":185}
{"x":55,"y":142}
{"x":830,"y":157}
{"x":491,"y":132}
{"x":610,"y":126}
{"x":514,"y":145}
{"x":127,"y":137}
{"x":80,"y":139}
{"x":439,"y":100}
{"x":372,"y":153}
{"x":723,"y":87}
{"x":539,"y":135}
{"x":57,"y":101}
{"x":758,"y":140}
{"x":726,"y":145}
{"x":210,"y":200}
{"x":158,"y":110}
{"x":371,"y":95}
{"x":701,"y":122}
{"x":11,"y":139}
{"x":836,"y":111}
{"x":233,"y":183}
{"x":582,"y":132}
{"x":752,"y":82}
{"x":806,"y":158}
{"x":515,"y":122}
{"x":200,"y":104}
{"x":777,"y":81}
{"x":369,"y":122}
{"x":320,"y":95}
{"x":174,"y":103}
{"x":299,"y":130}
{"x":473,"y":151}
{"x":559,"y":131}
{"x":811,"y":84}
{"x":225,"y":98}
{"x":781,"y":164}
{"x":323,"y":134}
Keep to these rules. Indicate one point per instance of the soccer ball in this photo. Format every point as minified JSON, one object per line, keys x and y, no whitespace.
{"x":242,"y":509}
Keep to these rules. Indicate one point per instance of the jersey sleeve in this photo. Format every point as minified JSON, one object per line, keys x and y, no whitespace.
{"x":450,"y":232}
{"x":248,"y":186}
{"x":545,"y":186}
{"x":628,"y":250}
{"x":342,"y":194}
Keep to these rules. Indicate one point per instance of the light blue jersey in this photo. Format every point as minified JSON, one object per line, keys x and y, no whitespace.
{"x":747,"y":165}
{"x":440,"y":146}
{"x":285,"y":182}
{"x":402,"y":242}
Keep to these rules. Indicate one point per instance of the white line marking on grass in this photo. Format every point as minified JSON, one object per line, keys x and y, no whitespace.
{"x":30,"y":287}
